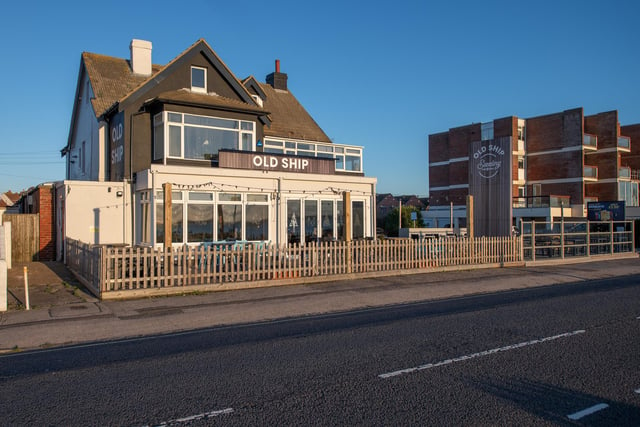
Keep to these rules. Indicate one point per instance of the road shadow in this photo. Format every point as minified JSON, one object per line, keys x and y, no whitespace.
{"x":554,"y":403}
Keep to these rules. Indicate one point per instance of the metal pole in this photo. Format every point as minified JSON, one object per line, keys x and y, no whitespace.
{"x":399,"y":216}
{"x":26,"y":288}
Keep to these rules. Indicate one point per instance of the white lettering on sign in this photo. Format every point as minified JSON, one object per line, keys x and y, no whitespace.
{"x":116,"y":132}
{"x":489,"y":163}
{"x":271,"y":162}
{"x":116,"y":154}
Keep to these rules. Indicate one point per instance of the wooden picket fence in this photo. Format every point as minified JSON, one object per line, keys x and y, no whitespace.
{"x":111,"y":268}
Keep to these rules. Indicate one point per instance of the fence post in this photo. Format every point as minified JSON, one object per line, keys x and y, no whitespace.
{"x":611,"y":233}
{"x":533,"y":240}
{"x":588,"y":238}
{"x":562,"y":236}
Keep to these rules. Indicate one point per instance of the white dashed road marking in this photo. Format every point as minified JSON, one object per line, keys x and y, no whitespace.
{"x":480,"y":354}
{"x":588,"y":411}
{"x":196,"y":417}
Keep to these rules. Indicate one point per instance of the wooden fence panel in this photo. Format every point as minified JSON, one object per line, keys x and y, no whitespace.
{"x":25,"y":236}
{"x":128,"y":268}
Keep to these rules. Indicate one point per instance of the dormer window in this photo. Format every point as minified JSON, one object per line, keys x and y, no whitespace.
{"x":199,"y":79}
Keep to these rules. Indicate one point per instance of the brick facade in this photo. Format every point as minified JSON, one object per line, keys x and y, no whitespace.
{"x":44,"y":206}
{"x":555,"y":153}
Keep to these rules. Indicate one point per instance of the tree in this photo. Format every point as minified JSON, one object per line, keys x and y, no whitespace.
{"x":391,"y":221}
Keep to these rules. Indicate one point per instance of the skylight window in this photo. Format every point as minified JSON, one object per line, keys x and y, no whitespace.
{"x":199,"y":79}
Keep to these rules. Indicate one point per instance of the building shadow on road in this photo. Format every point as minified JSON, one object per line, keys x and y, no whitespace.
{"x":554,"y":403}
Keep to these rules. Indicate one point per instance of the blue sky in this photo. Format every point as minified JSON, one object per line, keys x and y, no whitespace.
{"x":382,"y":75}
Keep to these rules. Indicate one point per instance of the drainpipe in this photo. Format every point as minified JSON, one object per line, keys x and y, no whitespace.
{"x":279,"y":212}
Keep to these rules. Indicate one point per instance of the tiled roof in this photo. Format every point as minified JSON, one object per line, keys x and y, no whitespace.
{"x":111,"y":79}
{"x":9,"y":199}
{"x":289,"y":118}
{"x":186,"y":96}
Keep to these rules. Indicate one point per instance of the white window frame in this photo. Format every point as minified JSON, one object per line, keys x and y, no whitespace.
{"x":292,"y":148}
{"x":162,"y":120}
{"x":197,"y":88}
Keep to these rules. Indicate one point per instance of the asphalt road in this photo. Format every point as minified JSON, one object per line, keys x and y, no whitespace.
{"x":561,"y":355}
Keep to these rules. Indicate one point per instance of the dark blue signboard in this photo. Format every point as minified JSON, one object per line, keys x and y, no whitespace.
{"x":116,"y":145}
{"x":605,"y":211}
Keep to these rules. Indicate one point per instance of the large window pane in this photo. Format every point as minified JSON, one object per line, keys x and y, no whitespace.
{"x":310,"y":220}
{"x":204,"y":144}
{"x":177,"y":224}
{"x":159,"y":223}
{"x":230,"y":197}
{"x":257,"y":225}
{"x":229,"y":222}
{"x":247,"y":142}
{"x":175,"y":141}
{"x":340,"y":219}
{"x":327,"y":220}
{"x":353,"y":163}
{"x":199,"y":223}
{"x":210,"y":121}
{"x":358,"y":219}
{"x":158,"y":142}
{"x":293,"y":221}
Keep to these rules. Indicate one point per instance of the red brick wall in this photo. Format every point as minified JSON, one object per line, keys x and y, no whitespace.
{"x":632,"y":159}
{"x":439,"y":176}
{"x":507,"y":126}
{"x":607,"y":191}
{"x":554,"y":131}
{"x":559,"y":165}
{"x":460,"y":138}
{"x":605,"y":126}
{"x":43,"y":204}
{"x":439,"y":147}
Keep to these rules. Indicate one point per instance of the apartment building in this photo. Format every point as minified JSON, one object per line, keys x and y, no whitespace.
{"x":543,"y":168}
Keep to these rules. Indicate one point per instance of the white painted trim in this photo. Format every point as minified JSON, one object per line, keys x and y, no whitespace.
{"x":549,"y":152}
{"x":449,"y":187}
{"x":447,"y":162}
{"x":609,"y":181}
{"x":610,"y":150}
{"x":556,"y":181}
{"x":195,"y":88}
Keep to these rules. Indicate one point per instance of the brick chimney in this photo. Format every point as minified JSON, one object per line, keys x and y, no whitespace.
{"x":140,"y":57}
{"x":278,"y":80}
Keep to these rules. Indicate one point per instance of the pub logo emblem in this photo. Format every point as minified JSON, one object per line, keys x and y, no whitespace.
{"x":488,"y":160}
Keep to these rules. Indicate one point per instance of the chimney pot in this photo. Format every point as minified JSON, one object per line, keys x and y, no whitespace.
{"x":140,"y":57}
{"x":277,"y":79}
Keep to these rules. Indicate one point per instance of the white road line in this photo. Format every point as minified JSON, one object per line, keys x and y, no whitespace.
{"x":588,"y":411}
{"x":637,"y":391}
{"x":480,"y":354}
{"x":196,"y":417}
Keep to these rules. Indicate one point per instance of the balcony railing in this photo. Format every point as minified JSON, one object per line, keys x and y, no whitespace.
{"x":624,"y":172}
{"x":624,"y":142}
{"x":541,"y":202}
{"x":590,"y":172}
{"x":590,"y":140}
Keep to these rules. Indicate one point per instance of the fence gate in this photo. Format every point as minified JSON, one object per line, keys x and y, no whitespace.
{"x":25,"y":236}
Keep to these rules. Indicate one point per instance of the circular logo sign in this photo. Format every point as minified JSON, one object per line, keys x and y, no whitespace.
{"x":488,"y":165}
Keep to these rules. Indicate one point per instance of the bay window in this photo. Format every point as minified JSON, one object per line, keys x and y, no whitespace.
{"x":194,"y":137}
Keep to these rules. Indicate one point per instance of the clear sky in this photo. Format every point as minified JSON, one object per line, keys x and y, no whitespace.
{"x":382,"y":75}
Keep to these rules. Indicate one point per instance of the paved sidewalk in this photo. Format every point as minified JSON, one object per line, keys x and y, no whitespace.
{"x":62,"y":313}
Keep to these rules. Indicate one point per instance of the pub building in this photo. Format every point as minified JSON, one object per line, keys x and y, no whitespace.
{"x":217,"y":157}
